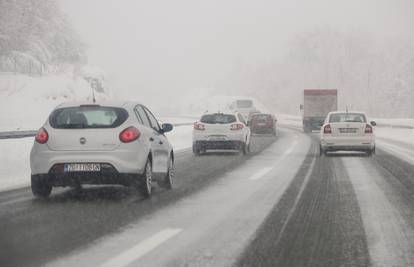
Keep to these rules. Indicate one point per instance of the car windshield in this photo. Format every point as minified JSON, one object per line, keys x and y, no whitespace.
{"x":347,"y":117}
{"x":87,"y":117}
{"x":244,"y":103}
{"x":218,"y":118}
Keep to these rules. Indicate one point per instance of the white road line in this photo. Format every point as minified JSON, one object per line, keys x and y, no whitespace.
{"x":265,"y":170}
{"x":260,"y":174}
{"x":290,"y":150}
{"x":142,"y":248}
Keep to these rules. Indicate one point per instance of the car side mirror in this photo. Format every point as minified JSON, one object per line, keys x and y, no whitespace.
{"x":373,"y":123}
{"x":166,"y":127}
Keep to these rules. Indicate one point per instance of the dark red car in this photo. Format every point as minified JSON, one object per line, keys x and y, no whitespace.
{"x":263,"y":124}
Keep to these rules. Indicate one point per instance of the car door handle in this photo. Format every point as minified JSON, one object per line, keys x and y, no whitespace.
{"x":151,"y":139}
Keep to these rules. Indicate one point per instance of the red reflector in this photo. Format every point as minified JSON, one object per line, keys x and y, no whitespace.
{"x":129,"y":134}
{"x":199,"y":126}
{"x":368,"y":129}
{"x":42,"y":136}
{"x":327,"y":129}
{"x":236,"y":126}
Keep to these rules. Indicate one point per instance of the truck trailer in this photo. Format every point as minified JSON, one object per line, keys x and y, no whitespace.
{"x":317,"y":103}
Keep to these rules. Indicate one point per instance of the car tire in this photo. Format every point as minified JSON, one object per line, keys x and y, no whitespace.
{"x":41,"y":186}
{"x":371,"y":152}
{"x":321,"y":152}
{"x":167,"y":180}
{"x":196,"y":150}
{"x":145,"y":187}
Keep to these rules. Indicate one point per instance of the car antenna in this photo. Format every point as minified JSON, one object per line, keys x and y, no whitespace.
{"x":93,"y":85}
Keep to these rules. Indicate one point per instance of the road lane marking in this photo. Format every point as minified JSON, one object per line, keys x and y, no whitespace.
{"x":261,"y":173}
{"x":295,"y":204}
{"x":266,"y":170}
{"x":142,"y":248}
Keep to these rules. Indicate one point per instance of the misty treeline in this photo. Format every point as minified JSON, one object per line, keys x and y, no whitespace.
{"x":372,"y":73}
{"x":35,"y":37}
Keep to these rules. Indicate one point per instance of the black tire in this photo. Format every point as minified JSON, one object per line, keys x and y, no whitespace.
{"x":370,"y":152}
{"x":244,"y":149}
{"x":145,"y":186}
{"x":41,"y":186}
{"x":167,"y":180}
{"x":196,"y":150}
{"x":321,"y":152}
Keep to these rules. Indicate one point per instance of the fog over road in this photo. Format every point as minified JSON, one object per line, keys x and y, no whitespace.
{"x":283,"y":205}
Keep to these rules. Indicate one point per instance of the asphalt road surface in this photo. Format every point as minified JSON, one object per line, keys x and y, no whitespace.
{"x":282,"y":205}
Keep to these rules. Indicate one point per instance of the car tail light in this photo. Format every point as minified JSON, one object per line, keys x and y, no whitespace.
{"x":42,"y":136}
{"x":368,"y":129}
{"x":269,"y":122}
{"x":236,"y":126}
{"x":199,"y":126}
{"x":327,"y":129}
{"x":129,"y":134}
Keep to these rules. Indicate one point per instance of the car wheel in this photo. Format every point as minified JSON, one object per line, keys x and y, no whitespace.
{"x":321,"y":152}
{"x":167,"y":181}
{"x":371,"y":152}
{"x":196,"y":150}
{"x":41,"y":186}
{"x":146,"y":182}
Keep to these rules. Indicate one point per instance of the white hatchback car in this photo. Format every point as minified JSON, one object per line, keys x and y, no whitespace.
{"x":220,"y":131}
{"x":347,"y":131}
{"x":101,"y":143}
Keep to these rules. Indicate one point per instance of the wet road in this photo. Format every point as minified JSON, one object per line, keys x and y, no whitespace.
{"x":283,"y":206}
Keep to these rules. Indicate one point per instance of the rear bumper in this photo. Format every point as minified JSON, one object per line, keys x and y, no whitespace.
{"x":219,"y":145}
{"x":89,"y":178}
{"x":124,"y":161}
{"x":360,"y":143}
{"x":263,"y":130}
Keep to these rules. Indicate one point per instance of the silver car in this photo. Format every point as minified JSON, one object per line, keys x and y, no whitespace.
{"x":101,"y":143}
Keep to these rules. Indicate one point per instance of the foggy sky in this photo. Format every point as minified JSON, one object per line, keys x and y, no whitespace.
{"x":173,"y":46}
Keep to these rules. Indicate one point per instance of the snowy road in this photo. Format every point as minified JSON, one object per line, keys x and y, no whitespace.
{"x":284,"y":206}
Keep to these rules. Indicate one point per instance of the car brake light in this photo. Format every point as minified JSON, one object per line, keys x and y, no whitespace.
{"x":327,"y":129}
{"x":129,"y":134}
{"x":199,"y":126}
{"x":42,"y":136}
{"x":368,"y":129}
{"x":236,"y":126}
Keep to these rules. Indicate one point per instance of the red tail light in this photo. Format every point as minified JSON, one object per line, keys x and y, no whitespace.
{"x":327,"y":129}
{"x":42,"y":136}
{"x":199,"y":126}
{"x":129,"y":134}
{"x":236,"y":126}
{"x":368,"y":129}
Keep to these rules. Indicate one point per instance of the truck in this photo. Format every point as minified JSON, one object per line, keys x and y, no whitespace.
{"x":317,"y":103}
{"x":244,"y":107}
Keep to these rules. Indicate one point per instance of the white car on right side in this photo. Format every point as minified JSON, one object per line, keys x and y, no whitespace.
{"x":347,"y":131}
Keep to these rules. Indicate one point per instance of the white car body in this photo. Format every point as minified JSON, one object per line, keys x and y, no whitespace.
{"x":118,"y":162}
{"x":234,"y":135}
{"x":347,"y":131}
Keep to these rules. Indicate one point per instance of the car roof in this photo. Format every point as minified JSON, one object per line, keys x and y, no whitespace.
{"x":110,"y":103}
{"x":344,"y":111}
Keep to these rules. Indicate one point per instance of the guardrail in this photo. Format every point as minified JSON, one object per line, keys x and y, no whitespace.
{"x":32,"y":133}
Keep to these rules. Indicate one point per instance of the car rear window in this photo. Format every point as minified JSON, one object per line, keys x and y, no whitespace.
{"x":93,"y":116}
{"x":218,"y":118}
{"x":347,"y":117}
{"x":261,"y":117}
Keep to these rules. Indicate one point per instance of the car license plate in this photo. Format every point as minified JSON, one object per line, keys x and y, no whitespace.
{"x":82,"y":167}
{"x":217,"y":138}
{"x":347,"y":130}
